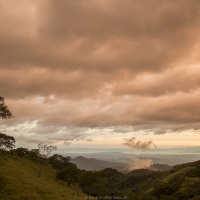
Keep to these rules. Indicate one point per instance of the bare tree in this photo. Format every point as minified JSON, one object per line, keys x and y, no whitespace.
{"x":45,"y":151}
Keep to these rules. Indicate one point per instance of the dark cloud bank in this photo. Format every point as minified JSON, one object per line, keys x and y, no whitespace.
{"x":101,"y":64}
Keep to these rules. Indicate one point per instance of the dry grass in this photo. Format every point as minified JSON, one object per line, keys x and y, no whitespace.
{"x":19,"y":181}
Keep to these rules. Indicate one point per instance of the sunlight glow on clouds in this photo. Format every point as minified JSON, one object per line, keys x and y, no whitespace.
{"x":73,"y":71}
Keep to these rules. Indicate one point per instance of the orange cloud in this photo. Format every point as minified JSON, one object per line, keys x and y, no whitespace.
{"x":101,"y":64}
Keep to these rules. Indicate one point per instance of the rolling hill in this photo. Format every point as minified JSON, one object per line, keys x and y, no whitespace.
{"x":182,"y":182}
{"x":96,"y":164}
{"x":19,"y":181}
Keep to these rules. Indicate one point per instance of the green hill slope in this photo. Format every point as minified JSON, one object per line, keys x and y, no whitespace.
{"x":19,"y":181}
{"x":182,"y":183}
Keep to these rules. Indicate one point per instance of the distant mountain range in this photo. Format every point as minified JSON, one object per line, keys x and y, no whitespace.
{"x":169,"y":157}
{"x":96,"y":164}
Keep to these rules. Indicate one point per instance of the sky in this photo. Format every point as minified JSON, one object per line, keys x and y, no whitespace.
{"x":91,"y":73}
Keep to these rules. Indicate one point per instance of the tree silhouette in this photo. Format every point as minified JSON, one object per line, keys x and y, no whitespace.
{"x":6,"y":142}
{"x":21,"y":151}
{"x":5,"y":113}
{"x":58,"y":162}
{"x":65,"y":170}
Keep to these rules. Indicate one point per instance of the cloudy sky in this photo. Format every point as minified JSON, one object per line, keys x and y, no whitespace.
{"x":90,"y":73}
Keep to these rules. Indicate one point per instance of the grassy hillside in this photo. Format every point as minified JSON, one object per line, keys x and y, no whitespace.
{"x":19,"y":181}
